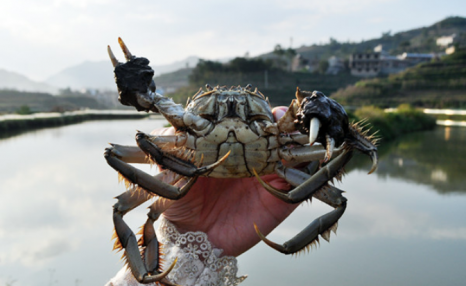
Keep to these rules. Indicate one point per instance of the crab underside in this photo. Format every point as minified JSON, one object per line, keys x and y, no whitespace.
{"x":229,"y":133}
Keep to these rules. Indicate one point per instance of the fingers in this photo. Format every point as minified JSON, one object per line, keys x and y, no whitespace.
{"x":163,"y":131}
{"x":126,"y":52}
{"x":279,"y":111}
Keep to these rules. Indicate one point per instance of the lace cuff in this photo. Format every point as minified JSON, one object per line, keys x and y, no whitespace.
{"x":199,"y":263}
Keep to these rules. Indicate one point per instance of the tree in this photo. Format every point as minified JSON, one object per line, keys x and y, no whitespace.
{"x":23,"y":110}
{"x":248,"y":65}
{"x":288,"y":54}
{"x":278,"y":50}
{"x":386,"y":34}
{"x":323,"y":66}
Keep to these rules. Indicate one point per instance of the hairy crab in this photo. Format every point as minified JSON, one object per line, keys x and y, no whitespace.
{"x":229,"y":133}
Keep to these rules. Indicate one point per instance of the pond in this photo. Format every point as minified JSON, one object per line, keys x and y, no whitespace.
{"x":404,"y":225}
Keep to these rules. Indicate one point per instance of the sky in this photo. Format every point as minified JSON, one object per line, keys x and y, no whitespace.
{"x":42,"y":37}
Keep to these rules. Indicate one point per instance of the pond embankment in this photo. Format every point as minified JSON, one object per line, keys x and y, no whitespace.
{"x":390,"y":124}
{"x":17,"y":123}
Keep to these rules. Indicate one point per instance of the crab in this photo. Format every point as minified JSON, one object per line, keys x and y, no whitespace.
{"x":229,"y":133}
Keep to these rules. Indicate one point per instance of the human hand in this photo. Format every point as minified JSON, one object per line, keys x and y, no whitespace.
{"x":226,"y":209}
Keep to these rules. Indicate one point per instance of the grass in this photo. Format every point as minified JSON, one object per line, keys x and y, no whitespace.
{"x":391,"y":125}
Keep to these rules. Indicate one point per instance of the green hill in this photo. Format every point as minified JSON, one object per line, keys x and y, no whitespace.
{"x":278,"y":85}
{"x":438,"y":84}
{"x":420,"y":40}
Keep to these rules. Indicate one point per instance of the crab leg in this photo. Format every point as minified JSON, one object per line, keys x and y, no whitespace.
{"x":134,"y":154}
{"x":146,"y":271}
{"x":312,"y":183}
{"x":181,"y":166}
{"x":136,"y":88}
{"x":146,"y":181}
{"x":308,"y":236}
{"x":306,"y":153}
{"x":128,"y":154}
{"x":293,"y":139}
{"x":321,"y":226}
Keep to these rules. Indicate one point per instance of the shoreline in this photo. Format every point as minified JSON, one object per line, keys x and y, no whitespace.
{"x":14,"y":123}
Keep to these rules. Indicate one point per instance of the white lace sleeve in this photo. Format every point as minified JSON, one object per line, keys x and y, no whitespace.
{"x":199,"y":263}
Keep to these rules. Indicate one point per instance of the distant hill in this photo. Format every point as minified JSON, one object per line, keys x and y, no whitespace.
{"x":99,"y":75}
{"x":171,"y":81}
{"x":86,"y":75}
{"x":16,"y":81}
{"x":438,"y":84}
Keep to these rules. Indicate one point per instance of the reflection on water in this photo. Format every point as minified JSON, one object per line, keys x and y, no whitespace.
{"x":57,"y":192}
{"x":436,"y":158}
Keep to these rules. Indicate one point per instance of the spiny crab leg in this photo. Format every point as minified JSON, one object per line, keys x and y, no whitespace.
{"x":146,"y":181}
{"x":148,"y":269}
{"x":359,"y":140}
{"x":309,"y":235}
{"x":181,"y":166}
{"x":312,"y":184}
{"x":321,"y":226}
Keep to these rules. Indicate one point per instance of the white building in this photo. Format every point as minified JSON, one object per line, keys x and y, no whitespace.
{"x":380,"y":62}
{"x":446,"y":41}
{"x":335,"y":65}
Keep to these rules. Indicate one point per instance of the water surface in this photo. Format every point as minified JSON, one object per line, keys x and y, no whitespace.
{"x":404,"y":225}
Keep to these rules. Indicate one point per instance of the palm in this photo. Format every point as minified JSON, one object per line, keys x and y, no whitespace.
{"x":225,"y":209}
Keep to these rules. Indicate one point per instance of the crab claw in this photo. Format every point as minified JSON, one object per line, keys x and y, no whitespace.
{"x":375,"y":161}
{"x":160,"y":276}
{"x":112,"y":56}
{"x":125,"y":49}
{"x":360,"y":140}
{"x":321,"y":118}
{"x":270,"y":243}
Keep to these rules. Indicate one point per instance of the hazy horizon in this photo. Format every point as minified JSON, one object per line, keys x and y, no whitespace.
{"x":42,"y":38}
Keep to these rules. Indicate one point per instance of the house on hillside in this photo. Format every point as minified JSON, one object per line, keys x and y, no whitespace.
{"x":446,"y":41}
{"x":365,"y":64}
{"x":380,"y":62}
{"x":300,"y":63}
{"x":335,"y":65}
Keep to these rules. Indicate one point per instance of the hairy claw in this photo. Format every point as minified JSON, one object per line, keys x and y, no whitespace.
{"x":367,"y":144}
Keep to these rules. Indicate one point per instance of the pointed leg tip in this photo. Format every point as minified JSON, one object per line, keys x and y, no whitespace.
{"x":257,"y":229}
{"x":374,"y":168}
